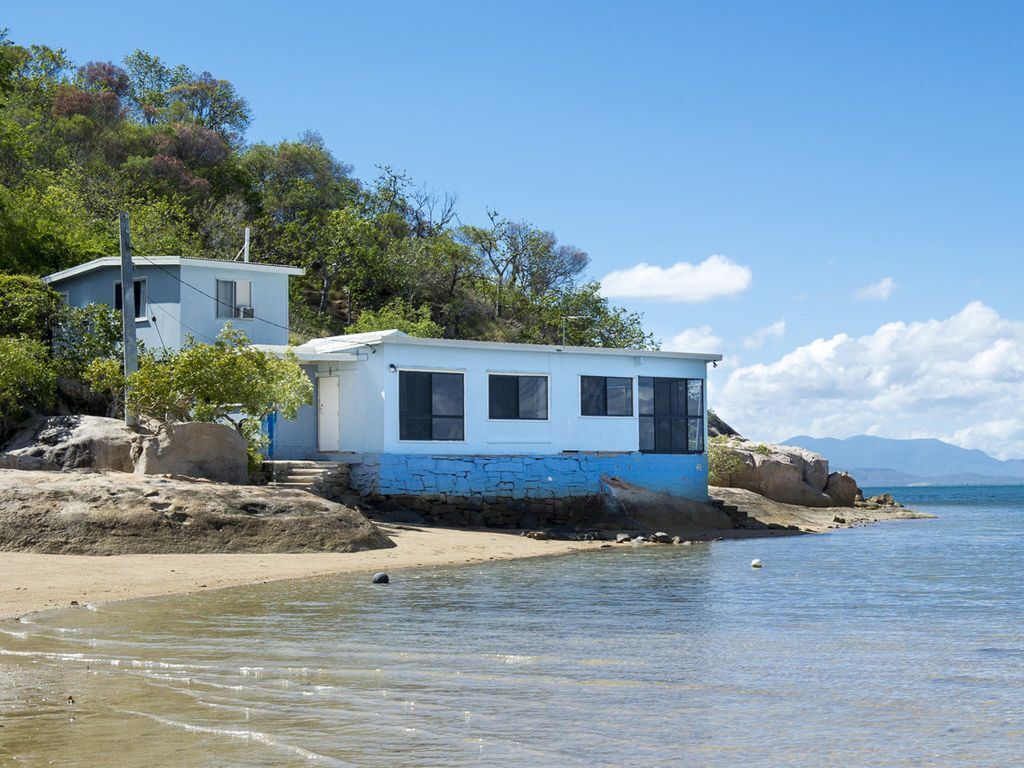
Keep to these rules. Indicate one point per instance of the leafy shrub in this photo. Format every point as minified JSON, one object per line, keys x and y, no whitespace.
{"x":27,"y":379}
{"x":763,"y":449}
{"x":227,"y":382}
{"x":723,"y":460}
{"x":28,"y":307}
{"x":85,"y":334}
{"x":398,"y":315}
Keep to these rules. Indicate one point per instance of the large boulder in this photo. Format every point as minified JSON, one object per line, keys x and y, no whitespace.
{"x":780,"y":472}
{"x":72,"y":442}
{"x":195,"y":449}
{"x":634,"y":508}
{"x":842,"y":489}
{"x":84,"y":512}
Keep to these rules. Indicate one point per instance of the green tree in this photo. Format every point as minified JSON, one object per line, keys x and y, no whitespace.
{"x":27,"y":379}
{"x":227,"y":382}
{"x":28,"y":307}
{"x":400,"y":316}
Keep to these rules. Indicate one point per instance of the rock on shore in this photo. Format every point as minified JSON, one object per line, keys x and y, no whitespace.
{"x":113,"y":513}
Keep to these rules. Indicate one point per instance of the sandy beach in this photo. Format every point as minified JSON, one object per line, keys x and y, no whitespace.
{"x":36,"y":582}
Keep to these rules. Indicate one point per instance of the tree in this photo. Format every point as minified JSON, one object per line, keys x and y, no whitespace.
{"x":400,"y":316}
{"x":228,"y":381}
{"x":85,"y":335}
{"x":213,"y":103}
{"x":27,"y":379}
{"x":28,"y":307}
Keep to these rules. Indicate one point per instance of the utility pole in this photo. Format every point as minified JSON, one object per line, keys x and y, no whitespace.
{"x":131,"y":352}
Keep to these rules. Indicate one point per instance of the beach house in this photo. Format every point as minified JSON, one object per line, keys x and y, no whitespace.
{"x":480,"y":429}
{"x":177,"y":297}
{"x":471,"y":423}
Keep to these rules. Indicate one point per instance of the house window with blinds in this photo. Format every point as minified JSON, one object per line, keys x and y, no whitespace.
{"x":234,"y":299}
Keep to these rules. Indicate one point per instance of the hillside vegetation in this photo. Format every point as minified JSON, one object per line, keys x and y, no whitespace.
{"x":167,"y":144}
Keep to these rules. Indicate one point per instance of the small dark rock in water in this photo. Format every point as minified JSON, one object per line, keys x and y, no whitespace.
{"x":71,"y":699}
{"x":74,"y":602}
{"x":838,"y":519}
{"x":381,"y":578}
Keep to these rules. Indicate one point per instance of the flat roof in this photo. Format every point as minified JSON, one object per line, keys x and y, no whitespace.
{"x":170,"y":261}
{"x":341,"y":343}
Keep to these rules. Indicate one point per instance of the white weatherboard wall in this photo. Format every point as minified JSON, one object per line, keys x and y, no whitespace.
{"x":369,"y":399}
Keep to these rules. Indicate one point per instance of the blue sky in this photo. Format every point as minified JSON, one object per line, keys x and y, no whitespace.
{"x":822,"y":146}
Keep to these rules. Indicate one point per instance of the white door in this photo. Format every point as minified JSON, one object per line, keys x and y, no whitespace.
{"x":329,"y":413}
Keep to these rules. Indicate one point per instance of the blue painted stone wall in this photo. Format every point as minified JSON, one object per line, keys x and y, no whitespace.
{"x":523,"y":478}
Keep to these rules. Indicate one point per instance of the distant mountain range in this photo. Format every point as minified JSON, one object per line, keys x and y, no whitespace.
{"x":877,"y":461}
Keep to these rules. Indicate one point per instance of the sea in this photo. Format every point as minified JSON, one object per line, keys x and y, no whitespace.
{"x":896,"y":644}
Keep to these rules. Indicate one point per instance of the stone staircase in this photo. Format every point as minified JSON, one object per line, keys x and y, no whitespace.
{"x":324,"y":478}
{"x":739,"y":517}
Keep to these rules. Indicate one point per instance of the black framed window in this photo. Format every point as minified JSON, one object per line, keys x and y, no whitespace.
{"x":606,"y":396}
{"x":671,"y":415}
{"x":517,"y":397}
{"x":140,"y":297}
{"x":430,"y":406}
{"x":234,"y":298}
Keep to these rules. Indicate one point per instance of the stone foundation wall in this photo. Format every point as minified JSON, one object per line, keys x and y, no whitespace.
{"x":520,"y":491}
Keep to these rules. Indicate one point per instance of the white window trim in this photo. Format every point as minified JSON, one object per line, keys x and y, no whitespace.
{"x":234,"y":309}
{"x":398,"y":407}
{"x":579,"y":397}
{"x":144,"y":305}
{"x":535,"y":374}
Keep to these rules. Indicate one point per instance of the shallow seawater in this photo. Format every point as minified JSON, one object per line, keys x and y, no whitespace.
{"x":900,"y":644}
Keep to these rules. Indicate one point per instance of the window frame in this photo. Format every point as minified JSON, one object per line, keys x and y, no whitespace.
{"x":143,"y":298}
{"x":460,"y":372}
{"x":686,"y":418}
{"x":233,"y":313}
{"x":632,"y":397}
{"x":518,"y":375}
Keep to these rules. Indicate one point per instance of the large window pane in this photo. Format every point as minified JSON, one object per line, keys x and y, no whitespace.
{"x":646,"y":395}
{"x":504,"y":397}
{"x":243,"y":293}
{"x":414,"y":428}
{"x":696,"y":435}
{"x":695,"y":399}
{"x":533,"y":397}
{"x":446,"y":396}
{"x":592,"y":396}
{"x":414,"y":393}
{"x":447,"y":428}
{"x":620,"y":397}
{"x":646,"y":433}
{"x":225,"y":298}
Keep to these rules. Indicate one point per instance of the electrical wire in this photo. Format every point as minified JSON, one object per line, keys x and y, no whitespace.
{"x":217,"y":302}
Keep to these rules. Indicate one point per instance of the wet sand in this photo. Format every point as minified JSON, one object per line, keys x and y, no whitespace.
{"x":36,"y":582}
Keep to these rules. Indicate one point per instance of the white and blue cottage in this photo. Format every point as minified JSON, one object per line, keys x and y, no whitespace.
{"x":458,"y":425}
{"x":472,"y":423}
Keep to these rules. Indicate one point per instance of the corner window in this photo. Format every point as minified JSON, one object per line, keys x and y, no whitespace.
{"x":606,"y":396}
{"x":140,"y":298}
{"x":430,"y":406}
{"x":234,"y":299}
{"x":671,"y":415}
{"x":517,"y":397}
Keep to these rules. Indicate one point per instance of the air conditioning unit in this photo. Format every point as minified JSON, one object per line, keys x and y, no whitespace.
{"x":245,"y":313}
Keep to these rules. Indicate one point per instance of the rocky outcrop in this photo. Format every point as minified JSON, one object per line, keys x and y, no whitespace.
{"x":783,"y":473}
{"x":211,"y":451}
{"x":107,"y":513}
{"x":634,"y":508}
{"x":72,"y":442}
{"x":62,"y":443}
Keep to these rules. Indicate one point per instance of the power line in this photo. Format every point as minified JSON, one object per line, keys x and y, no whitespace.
{"x":217,"y":302}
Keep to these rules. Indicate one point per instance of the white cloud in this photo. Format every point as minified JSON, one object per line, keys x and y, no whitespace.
{"x":959,"y":378}
{"x":701,"y":339}
{"x":879,"y":291}
{"x":757,"y":339}
{"x":714,"y":277}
